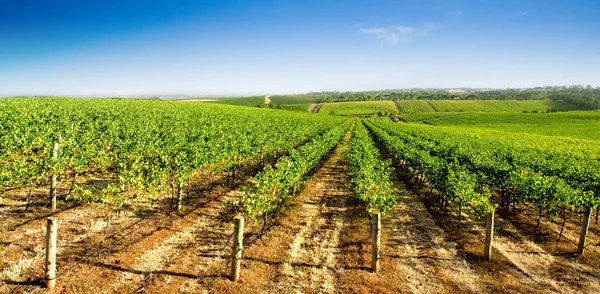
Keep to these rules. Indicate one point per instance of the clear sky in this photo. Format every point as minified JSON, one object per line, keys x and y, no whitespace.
{"x":235,"y":47}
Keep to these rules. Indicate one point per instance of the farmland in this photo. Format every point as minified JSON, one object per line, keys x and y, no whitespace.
{"x":576,"y":124}
{"x":145,"y":203}
{"x":358,"y":108}
{"x":253,"y":101}
{"x":415,"y":106}
{"x":422,"y":106}
{"x":499,"y":105}
{"x":295,"y":107}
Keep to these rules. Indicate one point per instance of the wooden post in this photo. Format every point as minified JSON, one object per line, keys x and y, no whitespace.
{"x":53,"y":178}
{"x":187,"y":195}
{"x":50,"y":266}
{"x":179,"y":196}
{"x":587,"y":212}
{"x":262,"y":162}
{"x":233,"y":176}
{"x":236,"y":252}
{"x":376,"y":246}
{"x":489,"y":235}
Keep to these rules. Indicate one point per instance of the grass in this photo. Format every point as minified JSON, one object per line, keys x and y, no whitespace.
{"x":576,"y":124}
{"x":571,"y":145}
{"x":378,"y":118}
{"x":423,"y":106}
{"x":297,"y":103}
{"x":428,"y":116}
{"x":295,"y":107}
{"x":415,"y":106}
{"x":358,"y":108}
{"x":242,"y":101}
{"x":295,"y":99}
{"x":499,"y":105}
{"x":290,"y":102}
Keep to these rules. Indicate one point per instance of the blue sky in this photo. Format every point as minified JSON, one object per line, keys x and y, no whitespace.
{"x":234,"y":47}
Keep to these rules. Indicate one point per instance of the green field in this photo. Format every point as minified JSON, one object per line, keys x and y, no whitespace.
{"x":275,"y":99}
{"x":577,"y":124}
{"x":499,"y":105}
{"x":471,"y":163}
{"x":562,"y":144}
{"x":421,"y":106}
{"x":294,"y":99}
{"x":415,"y":106}
{"x":294,"y":107}
{"x":242,"y":101}
{"x":427,"y":116}
{"x":358,"y":108}
{"x":298,"y":103}
{"x":170,"y":142}
{"x":378,"y":118}
{"x":464,"y":164}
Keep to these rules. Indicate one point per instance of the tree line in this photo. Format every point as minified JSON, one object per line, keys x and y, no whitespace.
{"x":586,"y":97}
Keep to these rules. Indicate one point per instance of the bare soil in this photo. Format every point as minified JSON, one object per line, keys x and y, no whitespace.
{"x":315,"y":107}
{"x":320,"y":243}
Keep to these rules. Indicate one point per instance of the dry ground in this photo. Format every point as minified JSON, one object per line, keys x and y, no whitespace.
{"x":320,"y":243}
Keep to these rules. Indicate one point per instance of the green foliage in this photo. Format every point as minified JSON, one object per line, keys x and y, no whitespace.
{"x":429,"y":117}
{"x":415,"y":106}
{"x":254,"y":101}
{"x":453,"y":180}
{"x":549,"y":179}
{"x":370,"y":175}
{"x":295,"y":99}
{"x":577,"y":124}
{"x":583,"y":97}
{"x":359,"y":108}
{"x":377,"y":118}
{"x":147,"y":144}
{"x":275,"y":99}
{"x":296,"y":107}
{"x":274,"y":184}
{"x":499,"y":105}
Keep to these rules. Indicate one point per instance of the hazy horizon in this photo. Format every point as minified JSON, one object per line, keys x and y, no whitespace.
{"x":244,"y":95}
{"x":240,"y":48}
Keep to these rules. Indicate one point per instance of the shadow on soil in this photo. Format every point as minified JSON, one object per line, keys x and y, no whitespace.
{"x":161,"y":272}
{"x":36,"y":283}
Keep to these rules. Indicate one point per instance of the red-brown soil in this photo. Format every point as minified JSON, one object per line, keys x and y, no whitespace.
{"x":320,"y":243}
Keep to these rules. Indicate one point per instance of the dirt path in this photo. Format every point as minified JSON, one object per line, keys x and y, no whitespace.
{"x":148,"y":252}
{"x":301,"y":254}
{"x":398,"y":106}
{"x":521,"y":263}
{"x":103,"y":249}
{"x":432,"y":106}
{"x":315,"y":107}
{"x":430,"y":261}
{"x":320,"y":243}
{"x":454,"y":257}
{"x":543,"y":261}
{"x":195,"y":256}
